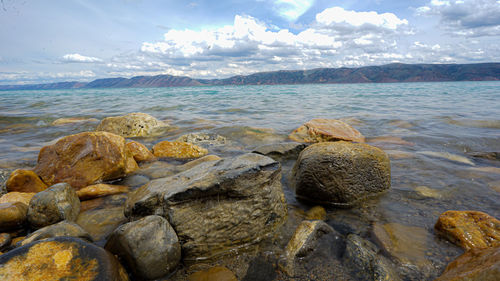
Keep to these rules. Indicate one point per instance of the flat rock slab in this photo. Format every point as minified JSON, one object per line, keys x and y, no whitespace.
{"x":280,"y":151}
{"x":217,"y":205}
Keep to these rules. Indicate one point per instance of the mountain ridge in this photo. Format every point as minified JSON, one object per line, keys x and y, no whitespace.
{"x":389,"y":73}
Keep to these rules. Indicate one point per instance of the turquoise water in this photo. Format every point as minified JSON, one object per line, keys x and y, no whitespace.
{"x":432,"y":131}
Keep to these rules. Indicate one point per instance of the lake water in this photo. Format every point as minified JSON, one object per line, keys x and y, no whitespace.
{"x":432,"y":131}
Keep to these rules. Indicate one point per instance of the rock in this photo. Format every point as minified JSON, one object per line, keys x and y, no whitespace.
{"x":15,"y":241}
{"x":178,"y":150}
{"x":110,"y":201}
{"x":474,"y":265}
{"x":398,"y":154}
{"x":340,"y":173}
{"x":216,"y":205}
{"x":84,"y":159}
{"x":260,"y":269}
{"x":52,"y":205}
{"x":306,"y":240}
{"x":316,"y":213}
{"x":132,"y":125}
{"x":12,"y":197}
{"x":63,"y":228}
{"x":140,"y":151}
{"x":408,"y":244}
{"x":281,"y":151}
{"x":149,"y":246}
{"x":493,"y":170}
{"x":469,"y":229}
{"x":61,"y":258}
{"x":5,"y":240}
{"x":362,"y":259}
{"x":101,"y":222}
{"x":487,"y":155}
{"x":134,"y":181}
{"x":100,"y":190}
{"x":219,"y":273}
{"x":157,"y":169}
{"x":321,"y":130}
{"x":428,"y":192}
{"x":250,"y":136}
{"x":448,"y":156}
{"x":196,"y":162}
{"x":202,"y":139}
{"x":72,"y":120}
{"x":12,"y":215}
{"x":25,"y":181}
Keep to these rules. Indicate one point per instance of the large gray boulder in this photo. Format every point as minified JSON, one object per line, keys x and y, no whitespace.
{"x":57,"y":203}
{"x":340,"y":173}
{"x":217,"y":205}
{"x":149,"y":246}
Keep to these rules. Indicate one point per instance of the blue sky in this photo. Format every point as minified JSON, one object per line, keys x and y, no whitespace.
{"x":51,"y":41}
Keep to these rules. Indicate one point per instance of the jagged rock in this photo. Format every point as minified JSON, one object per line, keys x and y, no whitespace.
{"x":84,"y":159}
{"x":58,"y":202}
{"x":132,"y":125}
{"x":12,"y":215}
{"x":202,"y":139}
{"x":321,"y":130}
{"x":149,"y":246}
{"x":219,"y":273}
{"x":140,"y":151}
{"x":281,"y":151}
{"x":340,"y":173}
{"x":25,"y":181}
{"x":216,"y":205}
{"x":60,"y":258}
{"x":469,"y":229}
{"x":11,"y":197}
{"x":63,"y":228}
{"x":178,"y":150}
{"x":474,"y":265}
{"x":100,"y":190}
{"x":364,"y":262}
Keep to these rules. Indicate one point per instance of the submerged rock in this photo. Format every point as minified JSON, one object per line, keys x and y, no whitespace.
{"x":316,"y":213}
{"x":61,"y":258}
{"x":55,"y":204}
{"x":85,"y":158}
{"x":178,"y":150}
{"x":100,"y":190}
{"x":72,"y":120}
{"x":321,"y":130}
{"x":140,"y":151}
{"x":149,"y":246}
{"x":202,"y":139}
{"x":469,"y":229}
{"x":281,"y":151}
{"x":63,"y":228}
{"x":11,"y":197}
{"x":25,"y":181}
{"x":216,"y":205}
{"x":132,"y":125}
{"x":219,"y":273}
{"x":340,"y":173}
{"x":487,"y":155}
{"x":12,"y":215}
{"x":474,"y":265}
{"x":448,"y":156}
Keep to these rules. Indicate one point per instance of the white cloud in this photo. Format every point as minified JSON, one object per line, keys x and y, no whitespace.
{"x":337,"y":15}
{"x":292,"y":9}
{"x":80,"y":58}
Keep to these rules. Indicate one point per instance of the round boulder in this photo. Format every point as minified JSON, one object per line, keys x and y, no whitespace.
{"x":340,"y":173}
{"x":132,"y":125}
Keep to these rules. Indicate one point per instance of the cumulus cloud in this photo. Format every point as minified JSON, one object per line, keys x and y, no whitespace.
{"x":80,"y":58}
{"x":333,"y":17}
{"x":466,"y":17}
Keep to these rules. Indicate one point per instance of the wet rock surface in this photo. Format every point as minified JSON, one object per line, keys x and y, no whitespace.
{"x":11,"y":197}
{"x":203,"y":139}
{"x":340,"y":173}
{"x":85,"y":158}
{"x":281,"y":151}
{"x":63,"y":228}
{"x":323,"y":130}
{"x":100,"y":190}
{"x":217,"y":205}
{"x":218,"y":273}
{"x":180,"y":150}
{"x":132,"y":125}
{"x":58,"y":202}
{"x":149,"y":246}
{"x":140,"y":152}
{"x":25,"y":181}
{"x":101,"y":221}
{"x":12,"y":215}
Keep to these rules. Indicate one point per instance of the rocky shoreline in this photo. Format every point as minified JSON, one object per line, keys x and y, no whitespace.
{"x":98,"y":206}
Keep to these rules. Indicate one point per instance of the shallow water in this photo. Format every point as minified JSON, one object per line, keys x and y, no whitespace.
{"x":430,"y":130}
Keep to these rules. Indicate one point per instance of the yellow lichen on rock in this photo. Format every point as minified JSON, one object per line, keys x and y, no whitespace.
{"x":178,"y":150}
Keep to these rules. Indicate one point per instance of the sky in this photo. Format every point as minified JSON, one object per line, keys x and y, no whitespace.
{"x":45,"y":41}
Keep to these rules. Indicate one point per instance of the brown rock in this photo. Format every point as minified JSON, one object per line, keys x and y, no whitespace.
{"x":474,"y":265}
{"x":11,"y":197}
{"x":316,"y":213}
{"x":5,"y":240}
{"x":219,"y":273}
{"x":12,"y":215}
{"x":100,"y":190}
{"x":85,"y":158}
{"x":132,"y":125}
{"x":469,"y":229}
{"x":100,"y":223}
{"x":25,"y":181}
{"x":178,"y":150}
{"x":140,"y":151}
{"x":72,"y":120}
{"x":321,"y":130}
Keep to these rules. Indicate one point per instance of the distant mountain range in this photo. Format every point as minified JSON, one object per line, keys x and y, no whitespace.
{"x":389,"y":73}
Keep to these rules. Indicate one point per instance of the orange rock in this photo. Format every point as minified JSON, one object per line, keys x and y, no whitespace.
{"x":99,"y":190}
{"x":140,"y":152}
{"x":25,"y":181}
{"x":218,"y":273}
{"x":12,"y":215}
{"x":85,"y":158}
{"x":469,"y":229}
{"x":16,"y":240}
{"x":474,"y":265}
{"x":178,"y":150}
{"x":322,"y":130}
{"x":11,"y":197}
